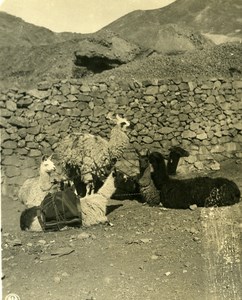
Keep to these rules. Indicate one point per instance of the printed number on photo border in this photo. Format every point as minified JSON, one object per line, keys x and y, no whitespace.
{"x":12,"y":297}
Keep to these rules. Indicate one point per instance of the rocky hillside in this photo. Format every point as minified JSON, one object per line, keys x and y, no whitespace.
{"x":220,"y":20}
{"x":14,"y":32}
{"x":30,"y":54}
{"x":143,"y":44}
{"x":223,"y":60}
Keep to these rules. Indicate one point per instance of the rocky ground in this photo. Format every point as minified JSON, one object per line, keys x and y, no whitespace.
{"x":148,"y":253}
{"x":220,"y":61}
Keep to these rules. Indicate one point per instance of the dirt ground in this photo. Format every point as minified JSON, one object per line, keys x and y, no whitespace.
{"x":149,"y":253}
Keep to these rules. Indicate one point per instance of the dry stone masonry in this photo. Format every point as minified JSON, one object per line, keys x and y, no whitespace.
{"x":203,"y":116}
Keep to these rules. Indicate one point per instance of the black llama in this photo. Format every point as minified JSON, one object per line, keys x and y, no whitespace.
{"x":148,"y":190}
{"x":202,"y":191}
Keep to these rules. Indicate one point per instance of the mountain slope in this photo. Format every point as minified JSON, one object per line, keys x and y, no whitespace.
{"x":213,"y":18}
{"x":31,"y":53}
{"x":16,"y":32}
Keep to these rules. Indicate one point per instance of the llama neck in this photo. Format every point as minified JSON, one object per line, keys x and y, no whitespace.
{"x":145,"y":179}
{"x":159,"y":176}
{"x":118,"y":141}
{"x":172,"y":163}
{"x":45,"y":182}
{"x":108,"y":187}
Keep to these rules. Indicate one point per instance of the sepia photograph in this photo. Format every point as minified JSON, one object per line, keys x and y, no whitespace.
{"x":121,"y":149}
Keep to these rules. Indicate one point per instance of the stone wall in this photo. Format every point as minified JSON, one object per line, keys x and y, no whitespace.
{"x":203,"y":116}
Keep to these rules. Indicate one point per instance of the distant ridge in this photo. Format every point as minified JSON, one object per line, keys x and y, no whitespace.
{"x":16,"y":32}
{"x":220,"y":20}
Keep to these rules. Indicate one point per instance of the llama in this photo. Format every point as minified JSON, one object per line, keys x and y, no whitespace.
{"x":57,"y":210}
{"x":202,"y":191}
{"x":127,"y":187}
{"x":33,"y":190}
{"x":149,"y":192}
{"x":91,"y":154}
{"x":91,"y":209}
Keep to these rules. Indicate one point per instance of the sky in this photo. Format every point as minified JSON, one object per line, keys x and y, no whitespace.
{"x":83,"y":16}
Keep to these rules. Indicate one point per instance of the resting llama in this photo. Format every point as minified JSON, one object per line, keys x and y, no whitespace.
{"x":148,"y":190}
{"x":33,"y":190}
{"x":202,"y":191}
{"x":58,"y":209}
{"x":86,"y":154}
{"x":91,"y":209}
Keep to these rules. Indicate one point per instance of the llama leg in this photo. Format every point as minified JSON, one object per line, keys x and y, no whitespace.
{"x":89,"y":189}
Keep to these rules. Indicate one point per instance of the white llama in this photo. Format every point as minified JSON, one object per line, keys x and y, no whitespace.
{"x":94,"y":207}
{"x":33,"y":190}
{"x":93,"y":154}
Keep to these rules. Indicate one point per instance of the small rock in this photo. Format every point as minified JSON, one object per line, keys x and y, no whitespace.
{"x":42,"y":242}
{"x":145,"y":241}
{"x":16,"y":242}
{"x":154,"y":257}
{"x":187,"y":264}
{"x":193,"y":230}
{"x":193,"y":206}
{"x":168,"y":273}
{"x":93,"y":237}
{"x":57,"y":279}
{"x":6,"y":234}
{"x":83,"y":236}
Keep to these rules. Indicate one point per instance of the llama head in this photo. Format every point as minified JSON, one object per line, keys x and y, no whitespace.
{"x":47,"y":165}
{"x":143,"y":157}
{"x":121,"y":122}
{"x":27,"y":217}
{"x":158,"y":168}
{"x":125,"y":183}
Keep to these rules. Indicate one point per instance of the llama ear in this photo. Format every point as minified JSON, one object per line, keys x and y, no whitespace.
{"x":118,"y":118}
{"x":44,"y":157}
{"x":137,"y":152}
{"x":50,"y":157}
{"x":109,"y":116}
